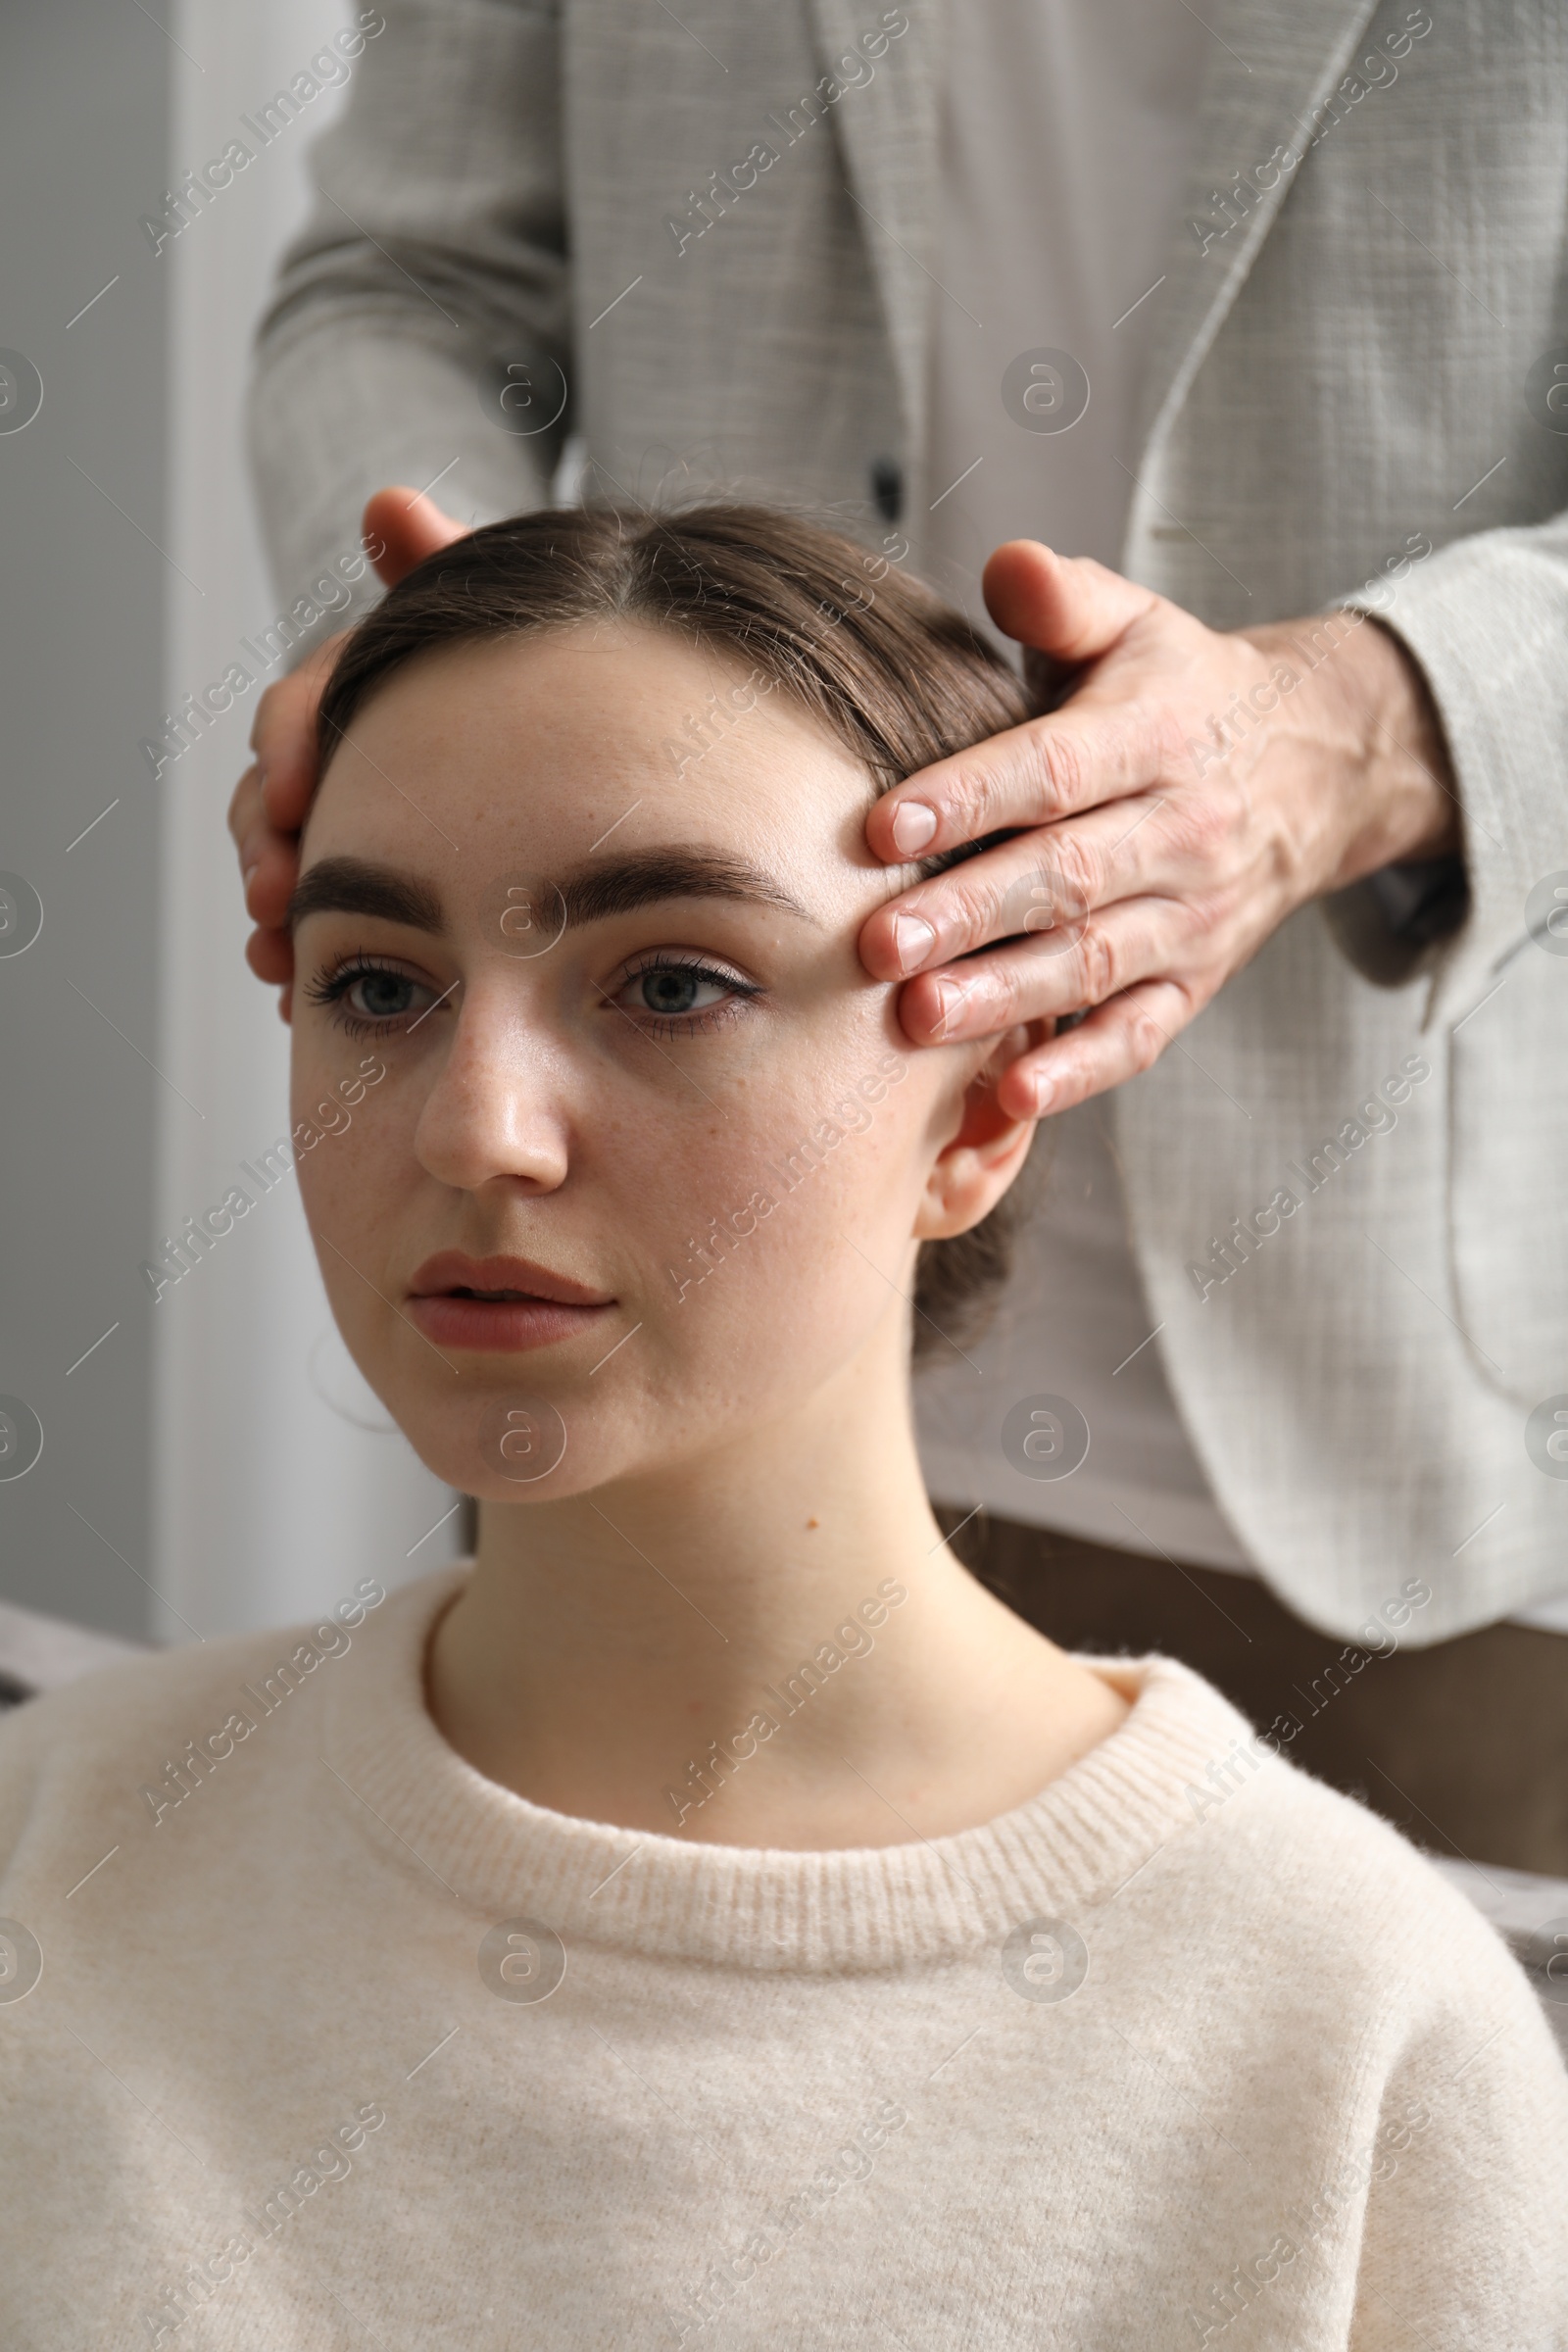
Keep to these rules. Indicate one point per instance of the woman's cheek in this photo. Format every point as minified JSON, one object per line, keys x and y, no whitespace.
{"x":341,"y":1154}
{"x":355,"y":1189}
{"x":803,"y":1233}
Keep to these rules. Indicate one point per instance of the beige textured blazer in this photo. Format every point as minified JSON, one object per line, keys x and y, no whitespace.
{"x":702,"y":245}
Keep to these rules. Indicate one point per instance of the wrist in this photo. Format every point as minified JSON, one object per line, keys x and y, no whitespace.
{"x":1377,"y":720}
{"x":1413,"y":795}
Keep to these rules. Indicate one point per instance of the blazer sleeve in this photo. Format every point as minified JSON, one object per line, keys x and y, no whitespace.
{"x":1485,"y":621}
{"x":417,"y":329}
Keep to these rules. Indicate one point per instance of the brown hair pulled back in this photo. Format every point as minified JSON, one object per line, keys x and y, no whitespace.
{"x":897,"y":676}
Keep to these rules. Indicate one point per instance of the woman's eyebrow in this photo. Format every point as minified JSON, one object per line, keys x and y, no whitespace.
{"x":640,"y":879}
{"x":589,"y":893}
{"x":353,"y":886}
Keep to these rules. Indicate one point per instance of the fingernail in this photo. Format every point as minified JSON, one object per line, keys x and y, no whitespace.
{"x":912,"y":941}
{"x":914,"y":825}
{"x":247,"y":872}
{"x":950,"y":1004}
{"x":1045,"y":1093}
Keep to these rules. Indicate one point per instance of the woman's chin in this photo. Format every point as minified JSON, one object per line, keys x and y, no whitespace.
{"x":513,"y":1444}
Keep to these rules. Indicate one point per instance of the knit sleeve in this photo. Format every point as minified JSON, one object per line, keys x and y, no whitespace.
{"x":1465,"y":2235}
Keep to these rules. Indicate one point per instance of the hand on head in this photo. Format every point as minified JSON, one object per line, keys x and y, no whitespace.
{"x":1186,"y":790}
{"x":1191,"y":789}
{"x":273,"y":795}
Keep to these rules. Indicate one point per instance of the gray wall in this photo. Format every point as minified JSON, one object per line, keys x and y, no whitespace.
{"x":83,"y":144}
{"x":219,"y":1445}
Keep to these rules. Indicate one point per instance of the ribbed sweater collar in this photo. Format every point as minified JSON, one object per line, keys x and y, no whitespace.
{"x":1075,"y":1844}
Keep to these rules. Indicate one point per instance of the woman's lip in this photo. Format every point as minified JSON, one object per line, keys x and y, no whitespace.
{"x":452,"y":1270}
{"x":502,"y":1326}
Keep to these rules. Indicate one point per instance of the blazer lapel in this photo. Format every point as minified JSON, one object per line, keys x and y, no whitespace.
{"x":887,"y":133}
{"x":1272,"y":62}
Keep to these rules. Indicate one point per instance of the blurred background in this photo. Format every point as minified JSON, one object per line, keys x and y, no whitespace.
{"x":140,"y":1065}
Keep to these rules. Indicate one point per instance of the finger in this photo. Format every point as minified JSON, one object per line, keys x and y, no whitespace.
{"x":249,"y":823}
{"x":1116,"y":1043}
{"x":271,"y":955}
{"x":1067,"y":606}
{"x":283,"y":737}
{"x":245,"y":811}
{"x":1050,"y":974}
{"x":1048,"y":879}
{"x":409,"y":526}
{"x":271,"y":867}
{"x":1032,"y":774}
{"x":253,"y":833}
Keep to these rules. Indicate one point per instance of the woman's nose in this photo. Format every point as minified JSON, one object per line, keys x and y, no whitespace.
{"x":497,"y":1105}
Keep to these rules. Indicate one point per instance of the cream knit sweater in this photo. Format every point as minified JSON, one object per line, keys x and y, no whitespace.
{"x":348,"y":2047}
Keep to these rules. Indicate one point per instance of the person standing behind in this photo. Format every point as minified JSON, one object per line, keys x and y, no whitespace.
{"x":1208,"y":302}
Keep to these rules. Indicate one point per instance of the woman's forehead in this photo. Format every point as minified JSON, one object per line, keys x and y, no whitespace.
{"x":585,"y":739}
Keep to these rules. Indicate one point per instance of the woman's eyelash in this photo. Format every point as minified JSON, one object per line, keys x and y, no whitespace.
{"x":334,"y":982}
{"x":697,"y":971}
{"x":332,"y":985}
{"x":691,"y":968}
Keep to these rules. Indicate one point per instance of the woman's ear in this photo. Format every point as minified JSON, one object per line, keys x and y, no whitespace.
{"x":978,"y":1163}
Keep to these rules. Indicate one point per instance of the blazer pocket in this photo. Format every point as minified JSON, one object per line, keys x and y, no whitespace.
{"x":1508,"y":1174}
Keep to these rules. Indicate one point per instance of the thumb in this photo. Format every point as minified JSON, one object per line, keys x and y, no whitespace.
{"x":1067,"y":606}
{"x":408,"y":526}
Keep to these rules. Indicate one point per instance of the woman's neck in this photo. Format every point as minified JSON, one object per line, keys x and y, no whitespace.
{"x":770,"y":1646}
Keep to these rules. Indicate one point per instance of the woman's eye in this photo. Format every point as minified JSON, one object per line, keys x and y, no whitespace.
{"x":677,"y":996}
{"x":369,"y":996}
{"x":667,"y":990}
{"x":382,"y":996}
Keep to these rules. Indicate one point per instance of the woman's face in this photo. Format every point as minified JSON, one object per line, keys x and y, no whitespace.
{"x":620,"y":1152}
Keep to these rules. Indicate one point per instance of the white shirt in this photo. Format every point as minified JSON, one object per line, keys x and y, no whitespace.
{"x":1064,"y":132}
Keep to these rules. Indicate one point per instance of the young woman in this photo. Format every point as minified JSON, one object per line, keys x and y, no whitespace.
{"x":707,"y":1915}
